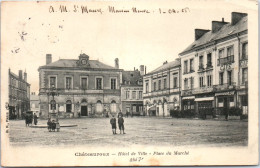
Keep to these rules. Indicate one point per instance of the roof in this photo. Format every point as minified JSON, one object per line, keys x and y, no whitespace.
{"x":227,"y":30}
{"x":131,"y":76}
{"x":72,"y":63}
{"x":166,"y":66}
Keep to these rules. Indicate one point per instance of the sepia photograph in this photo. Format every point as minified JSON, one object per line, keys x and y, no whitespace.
{"x":129,"y":83}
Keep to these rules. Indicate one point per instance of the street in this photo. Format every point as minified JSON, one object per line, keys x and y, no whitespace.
{"x":139,"y":131}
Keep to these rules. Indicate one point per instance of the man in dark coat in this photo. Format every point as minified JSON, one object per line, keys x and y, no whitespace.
{"x":113,"y":124}
{"x":35,"y":119}
{"x":121,"y":124}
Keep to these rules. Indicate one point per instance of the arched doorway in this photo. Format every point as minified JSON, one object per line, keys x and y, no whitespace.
{"x":113,"y":106}
{"x":68,"y":106}
{"x":84,"y":108}
{"x":99,"y":107}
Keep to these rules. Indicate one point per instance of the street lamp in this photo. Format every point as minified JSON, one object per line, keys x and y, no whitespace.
{"x":52,"y":92}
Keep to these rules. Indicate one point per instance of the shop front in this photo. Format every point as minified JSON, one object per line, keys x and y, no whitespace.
{"x":204,"y":106}
{"x":188,"y":106}
{"x":224,"y":102}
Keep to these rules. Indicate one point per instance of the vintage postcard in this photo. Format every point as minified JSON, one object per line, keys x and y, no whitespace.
{"x":129,"y":83}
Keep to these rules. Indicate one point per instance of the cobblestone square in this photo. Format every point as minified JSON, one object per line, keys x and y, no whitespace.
{"x":139,"y":131}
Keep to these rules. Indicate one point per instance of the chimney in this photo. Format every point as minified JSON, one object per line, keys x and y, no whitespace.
{"x":48,"y":59}
{"x":145,"y":70}
{"x":216,"y":25}
{"x":199,"y":33}
{"x":142,"y":70}
{"x":117,"y":63}
{"x":25,"y":76}
{"x":20,"y":74}
{"x":236,"y":17}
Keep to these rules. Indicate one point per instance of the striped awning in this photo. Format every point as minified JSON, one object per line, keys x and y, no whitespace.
{"x":204,"y":99}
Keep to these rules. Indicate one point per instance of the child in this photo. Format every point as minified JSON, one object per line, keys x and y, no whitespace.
{"x":113,"y":123}
{"x":121,"y":124}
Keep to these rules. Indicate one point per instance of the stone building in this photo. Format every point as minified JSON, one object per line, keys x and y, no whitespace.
{"x":132,"y":92}
{"x":79,"y":87}
{"x":35,"y":104}
{"x":214,"y":67}
{"x":161,"y":89}
{"x":19,"y":94}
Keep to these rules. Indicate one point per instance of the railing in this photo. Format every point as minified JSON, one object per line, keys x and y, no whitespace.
{"x":201,"y":67}
{"x":225,"y":86}
{"x":161,"y":92}
{"x":243,"y":63}
{"x":226,"y":60}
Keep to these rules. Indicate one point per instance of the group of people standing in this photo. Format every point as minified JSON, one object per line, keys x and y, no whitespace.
{"x":120,"y":123}
{"x":29,"y":118}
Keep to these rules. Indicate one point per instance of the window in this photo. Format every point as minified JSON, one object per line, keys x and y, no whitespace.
{"x":244,"y":100}
{"x":127,"y":95}
{"x":68,"y":83}
{"x":68,"y":106}
{"x":221,"y":78}
{"x":84,"y":83}
{"x":209,"y":63}
{"x":52,"y":82}
{"x":133,"y":94}
{"x":164,"y":83}
{"x":230,"y":51}
{"x":185,"y":67}
{"x":229,"y":77}
{"x":201,"y":62}
{"x":185,"y":84}
{"x":244,"y":75}
{"x":231,"y":102}
{"x":140,"y":95}
{"x":98,"y":83}
{"x":113,"y":83}
{"x":154,"y":86}
{"x":159,"y":85}
{"x":53,"y":105}
{"x":244,"y":50}
{"x":209,"y":79}
{"x":191,"y":65}
{"x":175,"y":79}
{"x":221,"y":53}
{"x":191,"y":82}
{"x":147,"y":87}
{"x":201,"y":82}
{"x":220,"y":102}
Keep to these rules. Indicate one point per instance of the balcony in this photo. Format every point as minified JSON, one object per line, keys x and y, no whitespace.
{"x":225,"y":86}
{"x":226,"y":60}
{"x":81,"y":91}
{"x":156,"y":93}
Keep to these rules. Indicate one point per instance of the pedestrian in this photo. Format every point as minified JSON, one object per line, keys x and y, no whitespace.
{"x":127,"y":114}
{"x":35,"y":119}
{"x":49,"y":124}
{"x":113,"y":124}
{"x":121,"y":124}
{"x":26,"y":120}
{"x":120,"y":114}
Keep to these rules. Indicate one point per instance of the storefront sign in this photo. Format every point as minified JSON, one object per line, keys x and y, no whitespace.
{"x":204,"y":99}
{"x":188,"y":98}
{"x":225,"y":93}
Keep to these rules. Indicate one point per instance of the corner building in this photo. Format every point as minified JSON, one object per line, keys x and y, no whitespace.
{"x":161,"y":92}
{"x":214,"y":68}
{"x":82,"y":87}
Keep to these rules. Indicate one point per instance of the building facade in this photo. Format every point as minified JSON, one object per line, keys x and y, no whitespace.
{"x":19,"y":94}
{"x":214,"y":68}
{"x":161,"y":89}
{"x":132,"y":92}
{"x":79,"y":87}
{"x":35,"y":104}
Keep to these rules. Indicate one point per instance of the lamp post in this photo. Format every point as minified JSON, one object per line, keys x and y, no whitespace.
{"x":52,"y":92}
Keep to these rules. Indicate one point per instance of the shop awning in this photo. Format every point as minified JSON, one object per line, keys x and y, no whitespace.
{"x":204,"y":99}
{"x":188,"y":98}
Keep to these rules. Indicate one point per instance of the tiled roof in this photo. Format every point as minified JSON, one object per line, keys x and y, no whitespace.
{"x":131,"y":76}
{"x":226,"y":30}
{"x":166,"y":66}
{"x":72,"y":63}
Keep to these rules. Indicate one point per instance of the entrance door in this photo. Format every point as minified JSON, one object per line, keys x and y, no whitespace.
{"x":84,"y":110}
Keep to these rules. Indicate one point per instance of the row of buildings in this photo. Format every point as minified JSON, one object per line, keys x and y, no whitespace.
{"x":210,"y":74}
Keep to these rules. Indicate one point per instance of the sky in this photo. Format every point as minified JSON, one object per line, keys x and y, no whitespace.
{"x":30,"y":30}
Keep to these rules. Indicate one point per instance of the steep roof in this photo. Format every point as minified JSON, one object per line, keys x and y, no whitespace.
{"x":131,"y":76}
{"x":226,"y":30}
{"x":166,"y":66}
{"x":72,"y":63}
